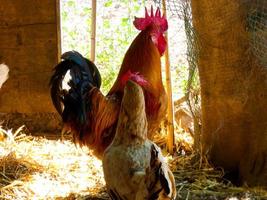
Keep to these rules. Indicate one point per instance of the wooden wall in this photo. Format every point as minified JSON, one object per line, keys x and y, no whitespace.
{"x":29,"y":45}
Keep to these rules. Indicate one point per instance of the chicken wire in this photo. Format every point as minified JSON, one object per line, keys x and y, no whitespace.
{"x":182,"y":9}
{"x":257,"y":27}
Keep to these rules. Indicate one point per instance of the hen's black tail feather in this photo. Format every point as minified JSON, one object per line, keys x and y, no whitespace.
{"x":84,"y":75}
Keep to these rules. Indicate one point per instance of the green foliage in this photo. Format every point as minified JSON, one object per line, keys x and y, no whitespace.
{"x":75,"y":25}
{"x":181,"y":79}
{"x":114,"y":34}
{"x":108,"y":3}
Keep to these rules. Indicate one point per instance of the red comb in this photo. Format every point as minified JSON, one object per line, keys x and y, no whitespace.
{"x":157,"y":19}
{"x":134,"y":76}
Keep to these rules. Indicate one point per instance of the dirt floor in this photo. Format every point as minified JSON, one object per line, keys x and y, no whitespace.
{"x":39,"y":168}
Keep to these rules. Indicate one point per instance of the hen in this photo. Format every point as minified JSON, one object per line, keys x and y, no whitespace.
{"x":3,"y":74}
{"x":134,"y":167}
{"x":91,"y":116}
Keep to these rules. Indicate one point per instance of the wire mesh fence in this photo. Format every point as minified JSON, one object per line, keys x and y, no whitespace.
{"x":257,"y":27}
{"x":182,"y":10}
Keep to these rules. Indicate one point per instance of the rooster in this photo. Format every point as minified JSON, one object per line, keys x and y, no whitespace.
{"x":134,"y":167}
{"x":91,"y":116}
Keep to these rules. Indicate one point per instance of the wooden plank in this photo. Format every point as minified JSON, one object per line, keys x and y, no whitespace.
{"x":27,"y":12}
{"x":93,"y":30}
{"x":29,"y":46}
{"x":58,"y":30}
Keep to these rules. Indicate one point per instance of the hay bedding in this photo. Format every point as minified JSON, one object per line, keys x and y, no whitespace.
{"x":37,"y":168}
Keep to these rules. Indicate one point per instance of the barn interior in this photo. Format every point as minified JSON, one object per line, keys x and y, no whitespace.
{"x":213,"y":70}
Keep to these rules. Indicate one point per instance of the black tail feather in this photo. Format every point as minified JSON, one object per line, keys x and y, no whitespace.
{"x":72,"y":104}
{"x":90,"y":72}
{"x":56,"y":91}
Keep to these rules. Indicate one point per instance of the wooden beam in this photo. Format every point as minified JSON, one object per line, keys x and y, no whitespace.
{"x":93,"y":30}
{"x":28,"y":35}
{"x":170,"y":126}
{"x":58,"y":30}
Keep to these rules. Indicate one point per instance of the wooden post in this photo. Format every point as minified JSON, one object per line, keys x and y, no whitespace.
{"x":93,"y":30}
{"x":58,"y":30}
{"x":170,"y":126}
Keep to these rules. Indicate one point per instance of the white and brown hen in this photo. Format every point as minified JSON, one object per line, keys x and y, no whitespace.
{"x":134,"y":168}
